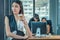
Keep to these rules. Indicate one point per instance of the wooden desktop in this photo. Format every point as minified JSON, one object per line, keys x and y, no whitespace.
{"x":51,"y":37}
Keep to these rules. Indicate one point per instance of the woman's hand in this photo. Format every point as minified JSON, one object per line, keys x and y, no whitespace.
{"x":22,"y":18}
{"x":25,"y":37}
{"x":26,"y":26}
{"x":24,"y":21}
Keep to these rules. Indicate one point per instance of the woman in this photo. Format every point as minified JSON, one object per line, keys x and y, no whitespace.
{"x":35,"y":19}
{"x":11,"y":22}
{"x":49,"y":26}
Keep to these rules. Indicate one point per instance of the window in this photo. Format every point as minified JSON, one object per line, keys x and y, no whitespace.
{"x":25,"y":9}
{"x":28,"y":9}
{"x":42,"y":11}
{"x":58,"y":13}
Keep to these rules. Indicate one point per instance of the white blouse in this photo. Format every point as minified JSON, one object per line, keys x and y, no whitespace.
{"x":20,"y":26}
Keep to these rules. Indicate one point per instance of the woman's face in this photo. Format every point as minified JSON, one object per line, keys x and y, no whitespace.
{"x":35,"y":19}
{"x":15,"y":8}
{"x":43,"y":20}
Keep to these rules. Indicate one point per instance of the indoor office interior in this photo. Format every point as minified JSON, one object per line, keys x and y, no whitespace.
{"x":49,"y":9}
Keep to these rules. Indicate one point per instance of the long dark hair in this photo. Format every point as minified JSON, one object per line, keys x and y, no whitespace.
{"x":21,"y":6}
{"x":36,"y":16}
{"x":43,"y":18}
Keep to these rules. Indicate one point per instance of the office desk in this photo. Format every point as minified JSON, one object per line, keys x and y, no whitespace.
{"x":52,"y":37}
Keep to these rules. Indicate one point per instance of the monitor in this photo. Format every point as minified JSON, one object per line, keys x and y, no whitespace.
{"x":41,"y":25}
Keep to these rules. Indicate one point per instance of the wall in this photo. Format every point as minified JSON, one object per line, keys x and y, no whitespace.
{"x":1,"y":19}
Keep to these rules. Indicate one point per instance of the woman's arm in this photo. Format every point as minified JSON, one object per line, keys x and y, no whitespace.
{"x":8,"y":32}
{"x":48,"y":29}
{"x":27,"y":28}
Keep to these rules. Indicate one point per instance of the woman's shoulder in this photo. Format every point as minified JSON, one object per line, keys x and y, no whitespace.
{"x":8,"y":16}
{"x":32,"y":19}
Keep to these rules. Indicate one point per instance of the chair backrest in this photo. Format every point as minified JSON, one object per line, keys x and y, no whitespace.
{"x":49,"y":22}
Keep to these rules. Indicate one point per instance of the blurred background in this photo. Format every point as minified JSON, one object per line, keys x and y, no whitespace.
{"x":44,"y":8}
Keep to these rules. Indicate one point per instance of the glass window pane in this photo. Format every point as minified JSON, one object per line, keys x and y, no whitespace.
{"x":42,"y":8}
{"x":28,"y":9}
